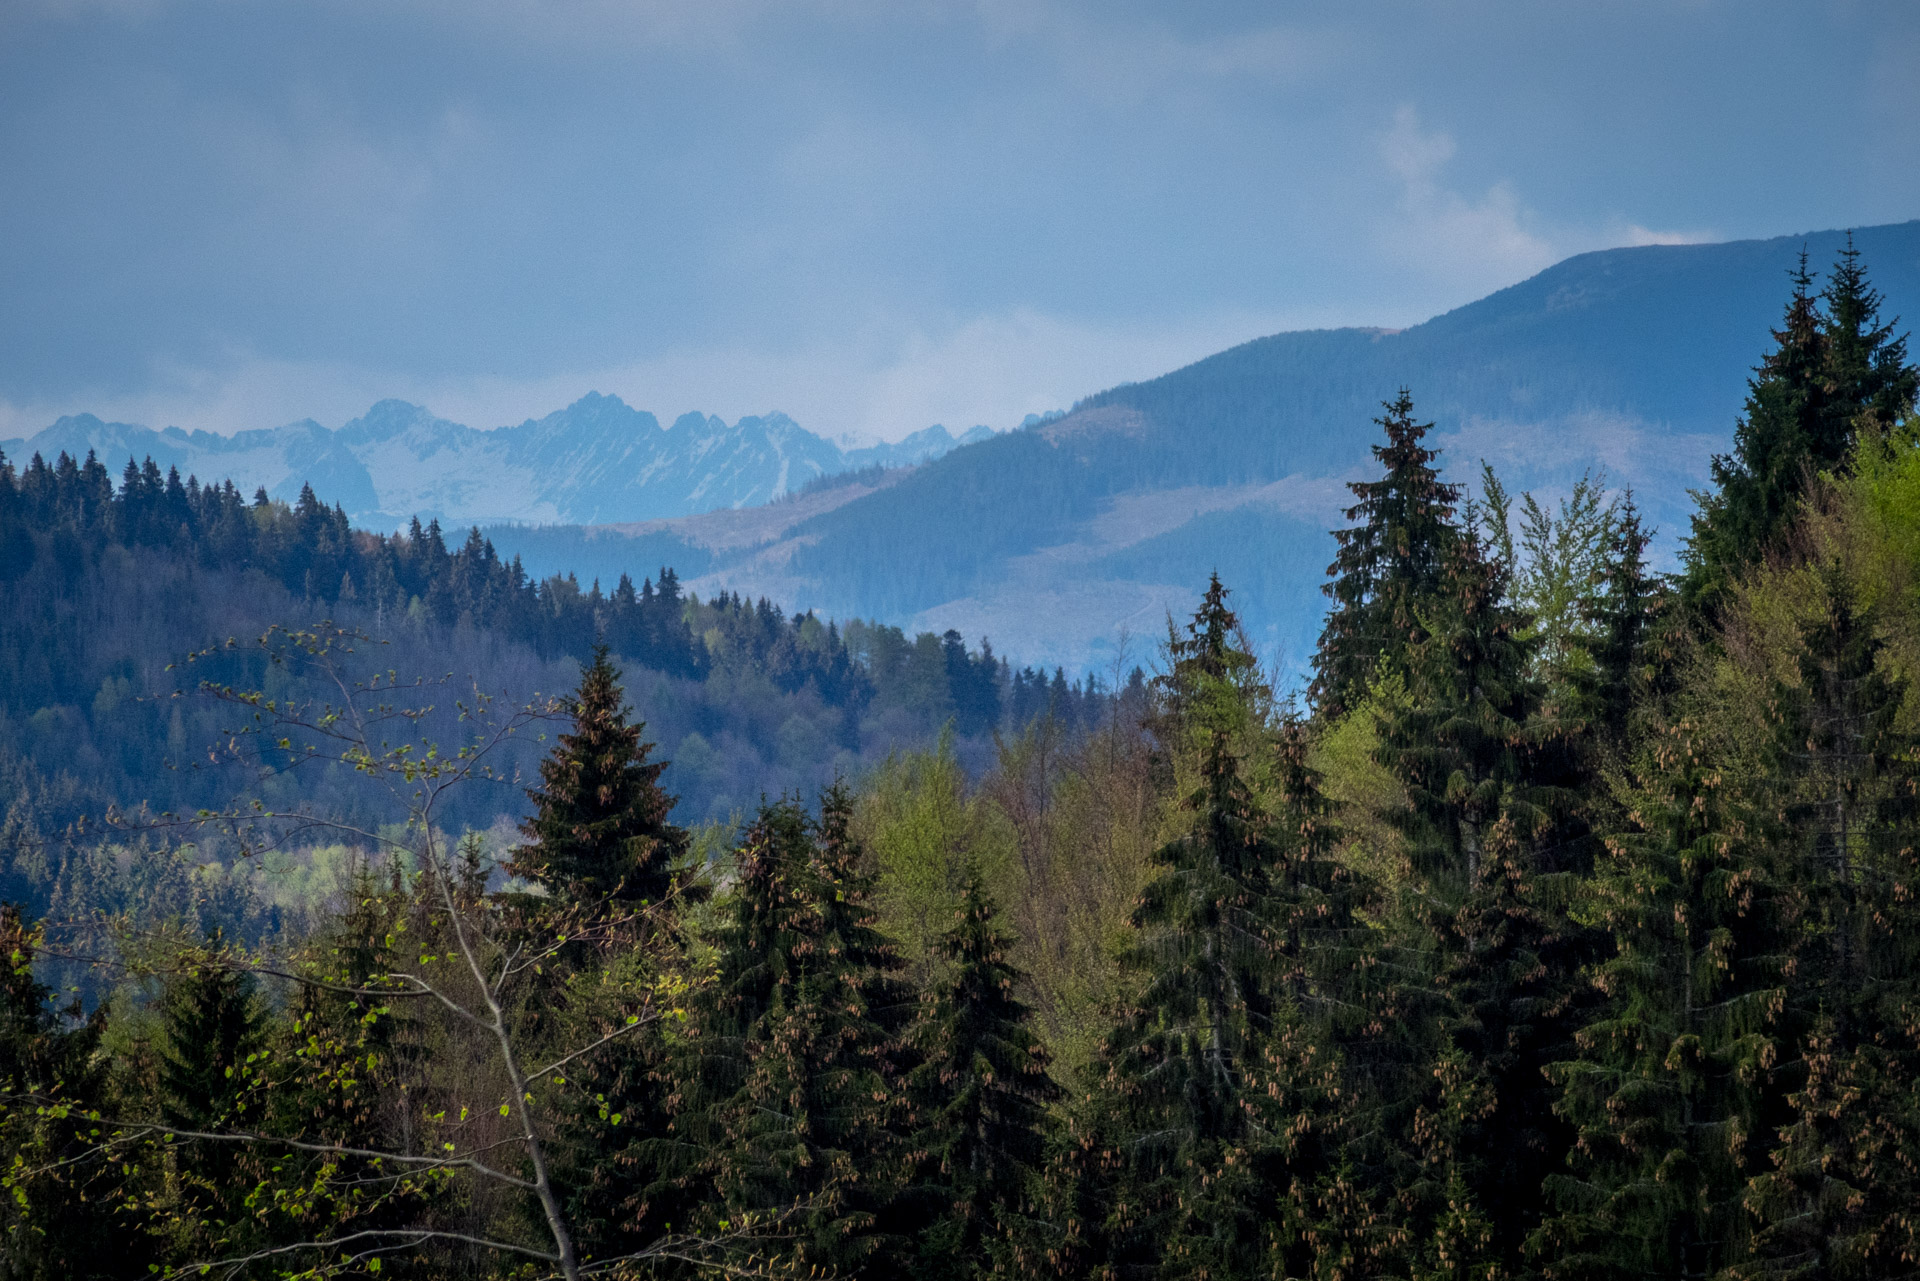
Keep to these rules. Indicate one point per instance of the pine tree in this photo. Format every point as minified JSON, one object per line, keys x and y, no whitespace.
{"x":338,"y":1074}
{"x":64,"y":1214}
{"x":210,"y":1081}
{"x":1841,"y":1197}
{"x":982,"y":1090}
{"x":1835,"y":367}
{"x":795,"y":1106}
{"x":1672,"y":1090}
{"x":1757,"y":486}
{"x":1388,"y":564}
{"x":212,"y":1025}
{"x":600,"y":827}
{"x":1209,"y":956}
{"x":1619,"y":618}
{"x":1461,"y":745}
{"x":1317,"y":1102}
{"x":1867,"y":367}
{"x":1481,"y":932}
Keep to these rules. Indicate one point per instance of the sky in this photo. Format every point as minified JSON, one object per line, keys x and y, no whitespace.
{"x":870,"y":214}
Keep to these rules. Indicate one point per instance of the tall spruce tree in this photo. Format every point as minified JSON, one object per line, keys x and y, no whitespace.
{"x":1756,"y":487}
{"x":212,"y":1024}
{"x":336,"y":1074}
{"x":1388,"y":564}
{"x":1209,"y":954}
{"x":1313,"y":1090}
{"x":1841,"y":1197}
{"x":982,"y":1088}
{"x":1835,"y":368}
{"x":599,"y":827}
{"x":1619,"y":618}
{"x":1872,"y":385}
{"x":213,"y":1028}
{"x":794,"y":1106}
{"x":601,"y":834}
{"x":1482,"y":928}
{"x":1673,"y":1089}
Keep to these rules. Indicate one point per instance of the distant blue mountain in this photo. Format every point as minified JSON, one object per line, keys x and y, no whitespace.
{"x":1059,"y":538}
{"x":596,"y":461}
{"x":1056,"y":538}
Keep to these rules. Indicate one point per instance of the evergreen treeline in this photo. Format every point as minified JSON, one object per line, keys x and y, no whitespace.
{"x":1569,"y":931}
{"x":106,"y":588}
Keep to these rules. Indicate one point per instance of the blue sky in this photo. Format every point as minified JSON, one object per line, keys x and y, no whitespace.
{"x":234,"y":213}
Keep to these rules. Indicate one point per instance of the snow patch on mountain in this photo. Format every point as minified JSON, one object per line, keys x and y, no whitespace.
{"x":598,"y":461}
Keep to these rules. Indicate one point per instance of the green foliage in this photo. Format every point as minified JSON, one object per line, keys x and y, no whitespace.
{"x":599,"y":829}
{"x":1618,"y":615}
{"x":1835,"y":370}
{"x":1388,"y":564}
{"x":1564,"y":556}
{"x":983,"y":1091}
{"x":1206,"y":951}
{"x":1672,"y":1090}
{"x":930,"y":835}
{"x":797,"y":1107}
{"x":61,"y":1218}
{"x":1575,"y":936}
{"x":1084,"y":815}
{"x":1839,"y":1200}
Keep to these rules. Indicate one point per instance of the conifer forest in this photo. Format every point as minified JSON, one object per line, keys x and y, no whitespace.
{"x":1563,"y":922}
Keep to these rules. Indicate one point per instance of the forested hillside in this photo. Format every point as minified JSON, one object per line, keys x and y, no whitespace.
{"x":1564,"y":928}
{"x":107,"y":592}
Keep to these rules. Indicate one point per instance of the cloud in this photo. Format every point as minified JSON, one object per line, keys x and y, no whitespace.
{"x":1635,"y":234}
{"x":1461,"y":240}
{"x":871,"y":213}
{"x":1481,"y":242}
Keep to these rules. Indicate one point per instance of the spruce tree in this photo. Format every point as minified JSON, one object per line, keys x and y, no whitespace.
{"x":1871,"y":381}
{"x":1463,"y":744}
{"x":795,"y":1105}
{"x":1388,"y":564}
{"x":600,"y":828}
{"x":1619,"y":619}
{"x":1757,"y":486}
{"x":1835,"y":367}
{"x":1481,"y":932}
{"x":982,"y":1089}
{"x":210,"y":1081}
{"x":337,"y":1076}
{"x":1313,"y":1093}
{"x":1179,"y":1067}
{"x":64,"y":1214}
{"x":1841,"y":1196}
{"x":212,"y":1024}
{"x":1672,"y":1090}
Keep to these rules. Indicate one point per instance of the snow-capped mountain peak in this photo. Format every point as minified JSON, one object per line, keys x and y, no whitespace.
{"x":597,"y":461}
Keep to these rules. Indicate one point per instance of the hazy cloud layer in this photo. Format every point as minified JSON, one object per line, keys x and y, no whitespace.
{"x":871,"y":215}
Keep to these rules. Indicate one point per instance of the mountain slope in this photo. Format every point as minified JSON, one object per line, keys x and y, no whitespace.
{"x":596,"y":461}
{"x":1054,"y":538}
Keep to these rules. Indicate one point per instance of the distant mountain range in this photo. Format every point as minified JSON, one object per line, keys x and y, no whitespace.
{"x":595,"y":461}
{"x":1054,"y":539}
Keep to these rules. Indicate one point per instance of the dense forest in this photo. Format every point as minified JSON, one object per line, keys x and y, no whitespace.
{"x":1566,"y":926}
{"x":106,"y":592}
